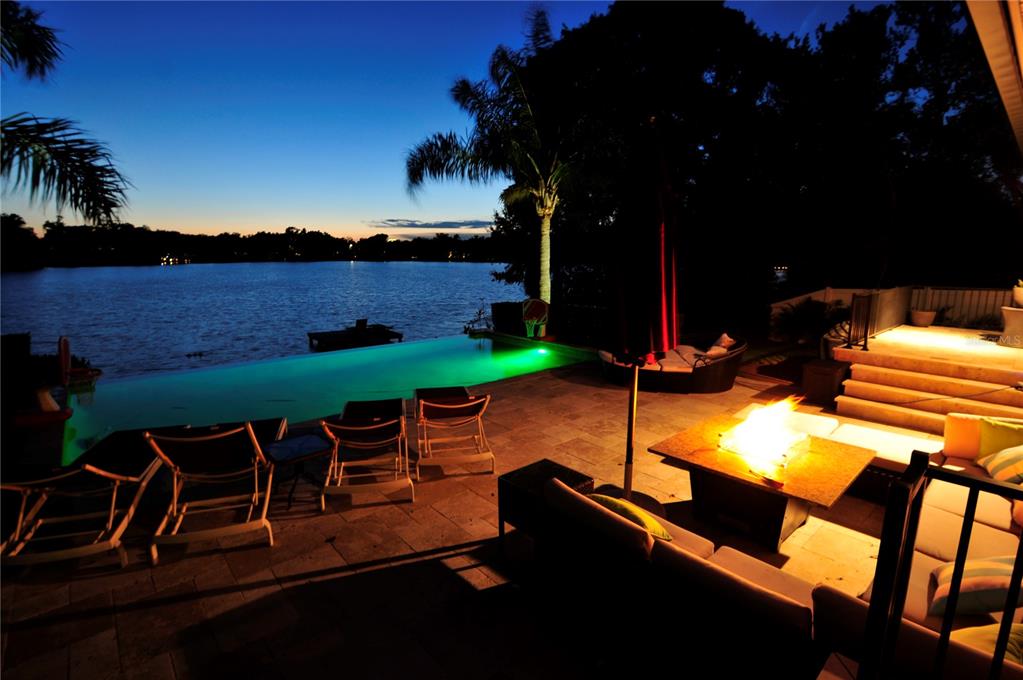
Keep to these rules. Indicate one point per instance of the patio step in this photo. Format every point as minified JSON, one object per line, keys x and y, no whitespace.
{"x":938,"y":384}
{"x":927,"y":401}
{"x":921,"y":364}
{"x":891,"y":414}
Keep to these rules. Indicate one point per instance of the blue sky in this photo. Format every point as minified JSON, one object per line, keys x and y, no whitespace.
{"x":243,"y":116}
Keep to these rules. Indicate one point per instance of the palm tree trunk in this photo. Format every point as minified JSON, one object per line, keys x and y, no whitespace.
{"x":545,"y":256}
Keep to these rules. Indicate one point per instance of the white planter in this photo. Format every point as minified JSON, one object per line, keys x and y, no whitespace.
{"x":922,"y":317}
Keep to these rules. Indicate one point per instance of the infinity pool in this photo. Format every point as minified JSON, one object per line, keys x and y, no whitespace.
{"x":300,"y":387}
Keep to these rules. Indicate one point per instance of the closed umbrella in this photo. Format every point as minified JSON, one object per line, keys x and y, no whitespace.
{"x":646,"y":280}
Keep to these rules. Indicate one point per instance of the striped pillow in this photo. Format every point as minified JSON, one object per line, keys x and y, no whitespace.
{"x":1005,"y":466}
{"x":984,"y":589}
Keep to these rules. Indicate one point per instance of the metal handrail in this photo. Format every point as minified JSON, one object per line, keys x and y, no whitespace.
{"x":894,"y":562}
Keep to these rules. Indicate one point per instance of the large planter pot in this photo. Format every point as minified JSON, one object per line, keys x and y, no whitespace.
{"x":507,"y":318}
{"x":922,"y":317}
{"x":1017,"y":296}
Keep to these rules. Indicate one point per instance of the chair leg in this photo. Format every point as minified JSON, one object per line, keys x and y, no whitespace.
{"x":122,"y":555}
{"x":269,"y":533}
{"x":154,"y":556}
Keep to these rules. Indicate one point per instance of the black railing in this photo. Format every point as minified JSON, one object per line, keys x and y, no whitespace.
{"x":876,"y":312}
{"x":895,"y":558}
{"x":860,"y":312}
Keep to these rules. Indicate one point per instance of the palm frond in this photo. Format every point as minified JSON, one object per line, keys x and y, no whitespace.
{"x":25,"y":43}
{"x":539,"y":31}
{"x":54,"y":160}
{"x":445,"y":156}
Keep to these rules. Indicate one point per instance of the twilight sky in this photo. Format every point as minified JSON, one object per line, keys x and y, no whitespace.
{"x":247,"y":116}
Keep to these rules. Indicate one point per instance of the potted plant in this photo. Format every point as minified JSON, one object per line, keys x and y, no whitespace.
{"x":1017,"y":293}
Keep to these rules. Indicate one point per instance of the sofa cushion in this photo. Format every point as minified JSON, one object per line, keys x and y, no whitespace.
{"x":764,"y":574}
{"x":967,"y":466}
{"x":732,"y":591}
{"x":997,"y":435}
{"x":633,"y":513}
{"x":938,"y":536}
{"x":1005,"y":465}
{"x":919,"y":594}
{"x":840,"y":620}
{"x":687,"y":540}
{"x":984,"y":587}
{"x":992,"y":510}
{"x":985,"y":637}
{"x":622,"y":534}
{"x":893,"y":449}
{"x":679,"y":360}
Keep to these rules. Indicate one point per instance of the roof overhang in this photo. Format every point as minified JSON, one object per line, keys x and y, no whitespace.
{"x":999,"y":24}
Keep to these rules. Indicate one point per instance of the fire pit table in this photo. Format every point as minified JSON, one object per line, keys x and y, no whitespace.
{"x":726,"y":491}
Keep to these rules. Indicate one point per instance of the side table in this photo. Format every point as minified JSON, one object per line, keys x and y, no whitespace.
{"x":296,"y":451}
{"x":822,"y":380}
{"x":520,"y":493}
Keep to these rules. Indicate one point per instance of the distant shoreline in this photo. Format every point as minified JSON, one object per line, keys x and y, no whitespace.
{"x":193,"y":264}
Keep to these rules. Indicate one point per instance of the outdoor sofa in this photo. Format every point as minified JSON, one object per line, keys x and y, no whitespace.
{"x":720,"y":600}
{"x":698,"y":603}
{"x":840,"y":618}
{"x":688,"y":368}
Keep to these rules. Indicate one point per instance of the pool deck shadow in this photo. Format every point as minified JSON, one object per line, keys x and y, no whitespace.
{"x":383,"y":588}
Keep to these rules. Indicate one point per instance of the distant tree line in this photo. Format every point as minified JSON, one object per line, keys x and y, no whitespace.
{"x":64,"y":245}
{"x":876,"y":154}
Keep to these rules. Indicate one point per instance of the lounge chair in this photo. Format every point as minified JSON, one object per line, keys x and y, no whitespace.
{"x":368,"y":434}
{"x":450,"y":428}
{"x":76,"y":501}
{"x":206,"y":457}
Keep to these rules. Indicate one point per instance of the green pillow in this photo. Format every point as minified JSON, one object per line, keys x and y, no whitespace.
{"x":996,"y":435}
{"x":1005,"y":466}
{"x":984,"y":589}
{"x":633,"y":513}
{"x":984,"y":638}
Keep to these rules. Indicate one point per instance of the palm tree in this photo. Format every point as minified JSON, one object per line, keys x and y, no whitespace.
{"x":51,"y":157}
{"x":507,"y":141}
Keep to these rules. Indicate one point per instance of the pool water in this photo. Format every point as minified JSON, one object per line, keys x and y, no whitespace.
{"x":301,"y":387}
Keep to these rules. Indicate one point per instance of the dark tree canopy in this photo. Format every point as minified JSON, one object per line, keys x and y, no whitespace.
{"x":869,"y":157}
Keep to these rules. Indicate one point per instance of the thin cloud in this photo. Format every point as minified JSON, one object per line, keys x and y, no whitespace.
{"x":397,"y":223}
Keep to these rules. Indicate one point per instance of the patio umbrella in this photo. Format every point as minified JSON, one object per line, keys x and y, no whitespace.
{"x":646,"y":298}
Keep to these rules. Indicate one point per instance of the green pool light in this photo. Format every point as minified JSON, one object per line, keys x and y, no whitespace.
{"x":541,"y":351}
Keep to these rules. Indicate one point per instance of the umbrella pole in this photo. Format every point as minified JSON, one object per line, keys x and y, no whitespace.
{"x":631,"y":435}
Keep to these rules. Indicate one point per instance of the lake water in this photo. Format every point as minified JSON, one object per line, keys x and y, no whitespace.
{"x":139,"y":320}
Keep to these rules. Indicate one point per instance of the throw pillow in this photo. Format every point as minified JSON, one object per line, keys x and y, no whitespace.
{"x":984,"y":638}
{"x":633,"y":513}
{"x":996,"y":435}
{"x":962,"y":435}
{"x":984,"y":588}
{"x":724,"y":341}
{"x":1017,"y":512}
{"x":716,"y":350}
{"x":1005,"y":466}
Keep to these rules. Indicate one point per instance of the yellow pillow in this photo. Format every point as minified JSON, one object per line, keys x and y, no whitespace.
{"x":633,"y":513}
{"x":984,"y":638}
{"x":1005,"y":466}
{"x":996,"y":435}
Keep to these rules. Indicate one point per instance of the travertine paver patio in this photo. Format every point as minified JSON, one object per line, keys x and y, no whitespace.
{"x":384,"y":589}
